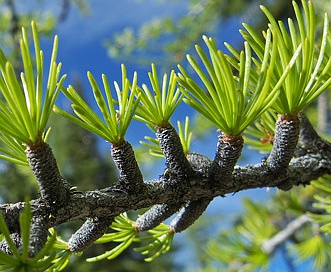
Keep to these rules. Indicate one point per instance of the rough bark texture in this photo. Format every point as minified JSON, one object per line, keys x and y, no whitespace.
{"x":131,"y":178}
{"x":38,"y":234}
{"x":53,"y":187}
{"x":17,"y":242}
{"x":189,"y":214}
{"x":90,"y":231}
{"x":199,"y":162}
{"x":285,"y":141}
{"x":173,"y":152}
{"x":156,"y":215}
{"x":227,"y":154}
{"x":189,"y":182}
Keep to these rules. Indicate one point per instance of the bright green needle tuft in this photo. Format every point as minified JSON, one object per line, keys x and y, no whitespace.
{"x":231,"y":101}
{"x":26,"y":107}
{"x":116,"y":115}
{"x":158,"y":105}
{"x":307,"y":77}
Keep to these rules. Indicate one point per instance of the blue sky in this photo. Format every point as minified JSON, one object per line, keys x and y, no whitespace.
{"x":81,"y":41}
{"x":81,"y":50}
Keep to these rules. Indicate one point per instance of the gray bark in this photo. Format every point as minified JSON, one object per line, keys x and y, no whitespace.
{"x":189,"y":181}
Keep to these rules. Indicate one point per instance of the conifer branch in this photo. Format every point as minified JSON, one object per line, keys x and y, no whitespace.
{"x":112,"y":201}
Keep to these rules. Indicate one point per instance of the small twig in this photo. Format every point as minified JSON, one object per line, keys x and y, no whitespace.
{"x":270,"y":245}
{"x":156,"y":215}
{"x":89,"y":232}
